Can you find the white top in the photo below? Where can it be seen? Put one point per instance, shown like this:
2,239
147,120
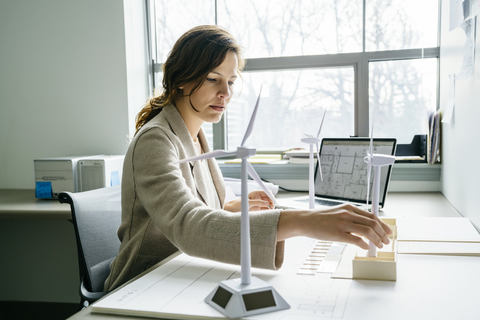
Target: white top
211,194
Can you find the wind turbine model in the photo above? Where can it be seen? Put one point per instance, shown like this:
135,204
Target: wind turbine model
248,295
377,161
311,140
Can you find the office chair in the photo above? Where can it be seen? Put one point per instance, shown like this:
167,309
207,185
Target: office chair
96,217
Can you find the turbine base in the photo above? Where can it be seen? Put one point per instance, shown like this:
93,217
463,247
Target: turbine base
236,300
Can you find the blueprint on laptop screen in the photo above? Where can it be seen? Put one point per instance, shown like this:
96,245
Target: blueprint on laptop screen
345,172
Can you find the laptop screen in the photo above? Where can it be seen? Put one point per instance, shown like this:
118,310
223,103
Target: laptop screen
345,172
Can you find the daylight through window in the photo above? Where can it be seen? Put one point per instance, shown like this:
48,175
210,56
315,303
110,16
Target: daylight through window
355,57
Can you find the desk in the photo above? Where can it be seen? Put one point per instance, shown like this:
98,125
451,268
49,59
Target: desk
22,204
408,204
39,253
428,286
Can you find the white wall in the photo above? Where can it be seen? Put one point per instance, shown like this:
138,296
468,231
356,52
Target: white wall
73,73
461,138
68,71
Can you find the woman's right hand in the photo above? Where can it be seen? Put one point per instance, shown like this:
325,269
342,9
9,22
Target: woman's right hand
257,200
344,223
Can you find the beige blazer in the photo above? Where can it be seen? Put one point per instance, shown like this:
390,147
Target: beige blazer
163,208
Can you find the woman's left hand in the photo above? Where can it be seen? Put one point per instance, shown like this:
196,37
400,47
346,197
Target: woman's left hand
257,200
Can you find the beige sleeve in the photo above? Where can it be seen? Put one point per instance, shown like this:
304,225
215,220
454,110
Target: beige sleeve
165,191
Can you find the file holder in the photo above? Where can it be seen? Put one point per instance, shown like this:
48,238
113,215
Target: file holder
417,148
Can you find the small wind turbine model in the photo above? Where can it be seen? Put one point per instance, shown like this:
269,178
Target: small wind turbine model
377,161
248,295
311,140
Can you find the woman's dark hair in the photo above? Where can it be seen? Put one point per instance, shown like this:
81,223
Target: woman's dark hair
195,54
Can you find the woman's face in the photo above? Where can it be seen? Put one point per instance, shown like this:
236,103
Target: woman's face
213,96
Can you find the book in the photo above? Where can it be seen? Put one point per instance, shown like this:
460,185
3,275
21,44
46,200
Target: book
433,143
297,152
302,160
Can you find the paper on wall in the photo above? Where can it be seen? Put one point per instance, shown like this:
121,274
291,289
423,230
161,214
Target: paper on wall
468,65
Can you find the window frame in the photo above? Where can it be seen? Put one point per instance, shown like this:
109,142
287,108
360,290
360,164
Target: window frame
358,60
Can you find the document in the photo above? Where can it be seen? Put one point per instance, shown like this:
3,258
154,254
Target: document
441,236
468,65
436,229
452,248
456,14
177,289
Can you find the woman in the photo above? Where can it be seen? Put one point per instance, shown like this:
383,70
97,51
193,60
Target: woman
168,206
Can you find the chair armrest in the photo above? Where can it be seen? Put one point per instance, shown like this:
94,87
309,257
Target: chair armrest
90,296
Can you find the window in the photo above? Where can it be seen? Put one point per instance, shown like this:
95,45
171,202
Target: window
291,99
402,93
398,24
293,28
358,58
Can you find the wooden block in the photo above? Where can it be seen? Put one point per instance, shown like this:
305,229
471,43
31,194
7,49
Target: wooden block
381,267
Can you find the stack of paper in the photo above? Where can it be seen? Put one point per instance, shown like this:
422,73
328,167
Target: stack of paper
298,155
445,236
423,235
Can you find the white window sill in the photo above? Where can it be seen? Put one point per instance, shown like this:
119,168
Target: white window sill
406,177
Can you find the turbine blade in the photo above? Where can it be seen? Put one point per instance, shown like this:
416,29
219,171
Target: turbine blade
318,160
209,155
251,171
252,120
371,133
321,124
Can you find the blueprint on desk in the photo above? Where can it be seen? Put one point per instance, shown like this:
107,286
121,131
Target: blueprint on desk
177,289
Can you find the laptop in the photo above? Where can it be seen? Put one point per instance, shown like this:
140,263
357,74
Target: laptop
345,173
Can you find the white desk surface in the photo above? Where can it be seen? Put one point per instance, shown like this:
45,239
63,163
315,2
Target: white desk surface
407,204
22,204
427,287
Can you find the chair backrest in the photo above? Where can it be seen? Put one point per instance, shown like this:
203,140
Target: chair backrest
96,217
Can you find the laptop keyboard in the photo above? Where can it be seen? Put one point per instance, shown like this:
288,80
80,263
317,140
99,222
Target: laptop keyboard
323,202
